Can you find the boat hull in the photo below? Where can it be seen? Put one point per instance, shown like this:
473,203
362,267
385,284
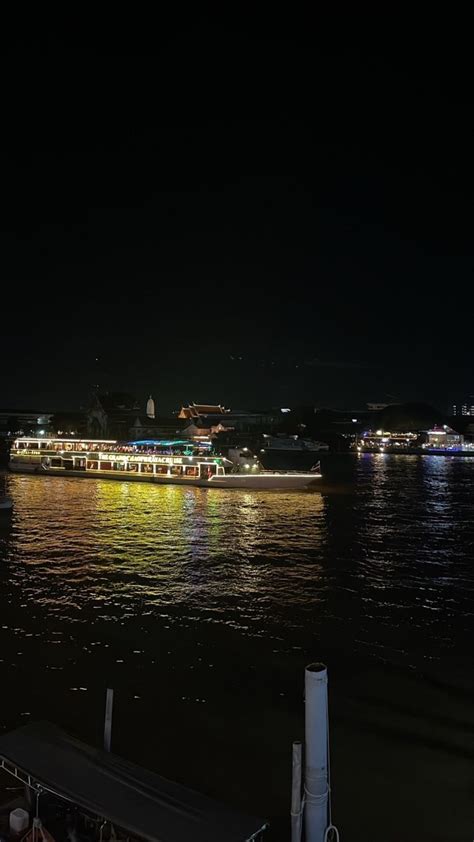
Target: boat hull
251,482
268,481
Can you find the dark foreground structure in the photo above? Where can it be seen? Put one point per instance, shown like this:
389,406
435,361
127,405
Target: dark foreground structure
108,789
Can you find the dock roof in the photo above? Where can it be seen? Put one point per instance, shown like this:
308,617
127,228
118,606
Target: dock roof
133,799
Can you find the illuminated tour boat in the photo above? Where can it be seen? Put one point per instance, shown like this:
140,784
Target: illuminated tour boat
159,461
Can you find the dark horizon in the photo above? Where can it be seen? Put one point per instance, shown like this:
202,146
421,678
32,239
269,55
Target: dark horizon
237,214
169,410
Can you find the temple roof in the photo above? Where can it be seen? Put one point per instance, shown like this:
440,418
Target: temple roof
196,409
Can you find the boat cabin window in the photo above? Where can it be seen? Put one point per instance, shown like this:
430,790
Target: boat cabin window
132,467
208,470
147,468
119,466
32,445
161,469
191,471
91,466
105,466
177,470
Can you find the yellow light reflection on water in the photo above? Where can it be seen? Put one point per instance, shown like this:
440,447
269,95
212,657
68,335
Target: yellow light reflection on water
86,542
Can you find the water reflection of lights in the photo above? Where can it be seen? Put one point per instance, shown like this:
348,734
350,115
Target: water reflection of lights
105,555
437,473
437,464
111,543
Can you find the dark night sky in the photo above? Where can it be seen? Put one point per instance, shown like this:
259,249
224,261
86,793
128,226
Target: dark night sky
239,212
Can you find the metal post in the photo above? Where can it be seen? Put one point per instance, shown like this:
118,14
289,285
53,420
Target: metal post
109,704
316,755
296,793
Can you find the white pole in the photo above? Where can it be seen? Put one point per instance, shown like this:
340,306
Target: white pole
109,704
316,756
296,793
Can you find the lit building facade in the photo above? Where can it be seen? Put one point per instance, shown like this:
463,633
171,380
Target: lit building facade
465,407
443,438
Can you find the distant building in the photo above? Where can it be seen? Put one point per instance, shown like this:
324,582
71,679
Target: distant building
208,428
248,420
111,415
443,438
150,407
69,424
465,407
215,418
201,410
120,416
19,421
144,427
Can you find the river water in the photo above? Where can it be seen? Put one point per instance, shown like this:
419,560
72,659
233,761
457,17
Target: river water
201,608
